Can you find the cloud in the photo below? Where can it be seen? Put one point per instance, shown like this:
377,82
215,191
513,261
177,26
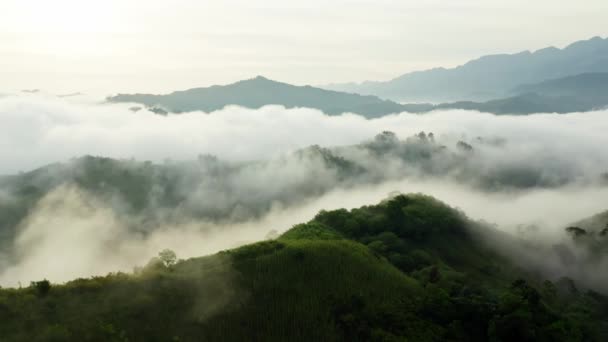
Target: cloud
73,233
47,129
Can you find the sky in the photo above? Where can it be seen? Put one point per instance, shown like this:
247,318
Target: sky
105,47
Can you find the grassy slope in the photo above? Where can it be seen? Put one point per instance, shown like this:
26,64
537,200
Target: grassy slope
406,269
270,290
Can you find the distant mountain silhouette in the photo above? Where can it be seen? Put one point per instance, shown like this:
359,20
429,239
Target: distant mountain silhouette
259,92
588,86
521,104
489,77
579,93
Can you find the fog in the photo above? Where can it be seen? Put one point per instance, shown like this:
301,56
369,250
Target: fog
71,232
47,129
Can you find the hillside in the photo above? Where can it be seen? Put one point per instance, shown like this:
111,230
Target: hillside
409,268
259,92
490,77
597,224
148,195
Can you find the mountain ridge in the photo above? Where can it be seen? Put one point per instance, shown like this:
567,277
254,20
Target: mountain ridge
260,91
576,93
491,76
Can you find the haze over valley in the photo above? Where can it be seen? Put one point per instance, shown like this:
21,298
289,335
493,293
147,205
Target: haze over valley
220,171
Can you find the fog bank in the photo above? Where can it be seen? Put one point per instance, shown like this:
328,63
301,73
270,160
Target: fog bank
71,234
48,129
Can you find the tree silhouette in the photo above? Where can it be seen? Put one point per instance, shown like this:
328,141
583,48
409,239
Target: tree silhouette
167,257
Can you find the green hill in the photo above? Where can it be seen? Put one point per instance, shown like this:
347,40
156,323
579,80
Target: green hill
407,269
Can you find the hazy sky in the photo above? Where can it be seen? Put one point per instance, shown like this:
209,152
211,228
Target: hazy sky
136,45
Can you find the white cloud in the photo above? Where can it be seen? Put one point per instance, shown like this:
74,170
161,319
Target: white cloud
37,130
70,234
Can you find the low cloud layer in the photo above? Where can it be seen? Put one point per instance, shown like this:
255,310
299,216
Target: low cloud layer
38,130
71,232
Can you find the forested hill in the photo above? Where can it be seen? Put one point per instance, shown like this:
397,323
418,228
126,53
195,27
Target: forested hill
409,268
149,194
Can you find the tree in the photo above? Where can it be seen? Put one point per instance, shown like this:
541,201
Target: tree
272,235
576,232
434,275
168,257
42,287
384,141
387,137
463,146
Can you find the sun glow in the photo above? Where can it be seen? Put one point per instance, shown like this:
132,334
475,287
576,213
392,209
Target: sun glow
65,16
70,29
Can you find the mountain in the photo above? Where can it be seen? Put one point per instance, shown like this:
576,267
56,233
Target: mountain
151,195
529,103
259,92
588,90
578,93
490,77
597,224
410,268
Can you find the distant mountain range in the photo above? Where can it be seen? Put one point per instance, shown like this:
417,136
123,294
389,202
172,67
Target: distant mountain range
489,77
259,92
573,79
578,93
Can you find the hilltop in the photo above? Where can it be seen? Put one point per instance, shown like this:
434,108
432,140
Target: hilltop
409,268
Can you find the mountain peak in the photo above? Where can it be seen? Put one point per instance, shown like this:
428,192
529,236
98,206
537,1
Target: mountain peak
257,81
507,72
260,78
592,42
260,91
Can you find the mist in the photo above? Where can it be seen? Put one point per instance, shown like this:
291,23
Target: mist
49,129
72,232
